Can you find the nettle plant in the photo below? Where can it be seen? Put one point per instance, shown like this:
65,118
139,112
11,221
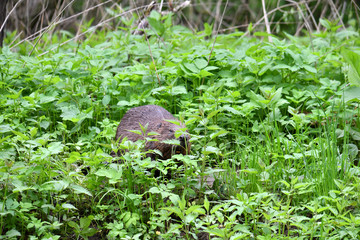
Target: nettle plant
274,131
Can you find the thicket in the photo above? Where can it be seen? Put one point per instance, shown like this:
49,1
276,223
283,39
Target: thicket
274,129
31,17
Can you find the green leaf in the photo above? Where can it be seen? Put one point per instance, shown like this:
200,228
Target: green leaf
47,99
206,204
309,68
174,199
204,73
12,234
74,225
285,183
250,28
220,133
354,77
55,185
354,134
213,113
55,147
155,15
353,59
111,173
154,190
69,112
196,209
192,67
20,134
265,68
79,189
209,68
68,206
157,25
106,100
217,232
5,128
353,150
178,90
250,170
85,222
33,131
123,103
208,29
209,149
325,23
175,210
319,210
200,63
217,207
16,95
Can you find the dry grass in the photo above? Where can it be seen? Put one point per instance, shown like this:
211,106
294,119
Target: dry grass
32,18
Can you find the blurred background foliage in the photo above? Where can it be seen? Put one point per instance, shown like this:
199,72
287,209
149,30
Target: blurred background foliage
29,18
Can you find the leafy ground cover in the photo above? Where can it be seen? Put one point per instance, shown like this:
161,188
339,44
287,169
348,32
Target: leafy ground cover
275,124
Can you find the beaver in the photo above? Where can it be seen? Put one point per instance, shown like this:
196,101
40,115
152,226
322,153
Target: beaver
155,118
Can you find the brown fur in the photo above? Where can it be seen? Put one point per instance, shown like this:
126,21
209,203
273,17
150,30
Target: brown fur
155,117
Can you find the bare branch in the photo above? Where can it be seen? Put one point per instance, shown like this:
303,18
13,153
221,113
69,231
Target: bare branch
266,20
217,31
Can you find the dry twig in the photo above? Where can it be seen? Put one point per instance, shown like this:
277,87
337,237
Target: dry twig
266,20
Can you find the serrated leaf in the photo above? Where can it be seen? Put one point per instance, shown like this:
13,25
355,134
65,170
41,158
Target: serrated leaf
210,149
46,99
204,73
217,232
106,100
213,113
69,112
265,68
44,124
123,103
110,173
354,134
85,222
353,59
217,207
12,233
209,68
196,209
73,224
284,182
155,15
325,23
55,185
206,204
220,133
157,25
175,210
68,206
16,95
200,63
154,190
178,90
353,150
174,199
309,68
192,67
20,134
55,147
79,189
5,128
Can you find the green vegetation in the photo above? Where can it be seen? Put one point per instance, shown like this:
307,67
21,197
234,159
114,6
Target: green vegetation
275,124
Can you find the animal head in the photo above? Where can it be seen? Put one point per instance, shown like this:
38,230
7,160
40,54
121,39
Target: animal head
169,130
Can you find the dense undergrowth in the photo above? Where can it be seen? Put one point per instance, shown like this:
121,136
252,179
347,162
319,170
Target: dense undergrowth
274,124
